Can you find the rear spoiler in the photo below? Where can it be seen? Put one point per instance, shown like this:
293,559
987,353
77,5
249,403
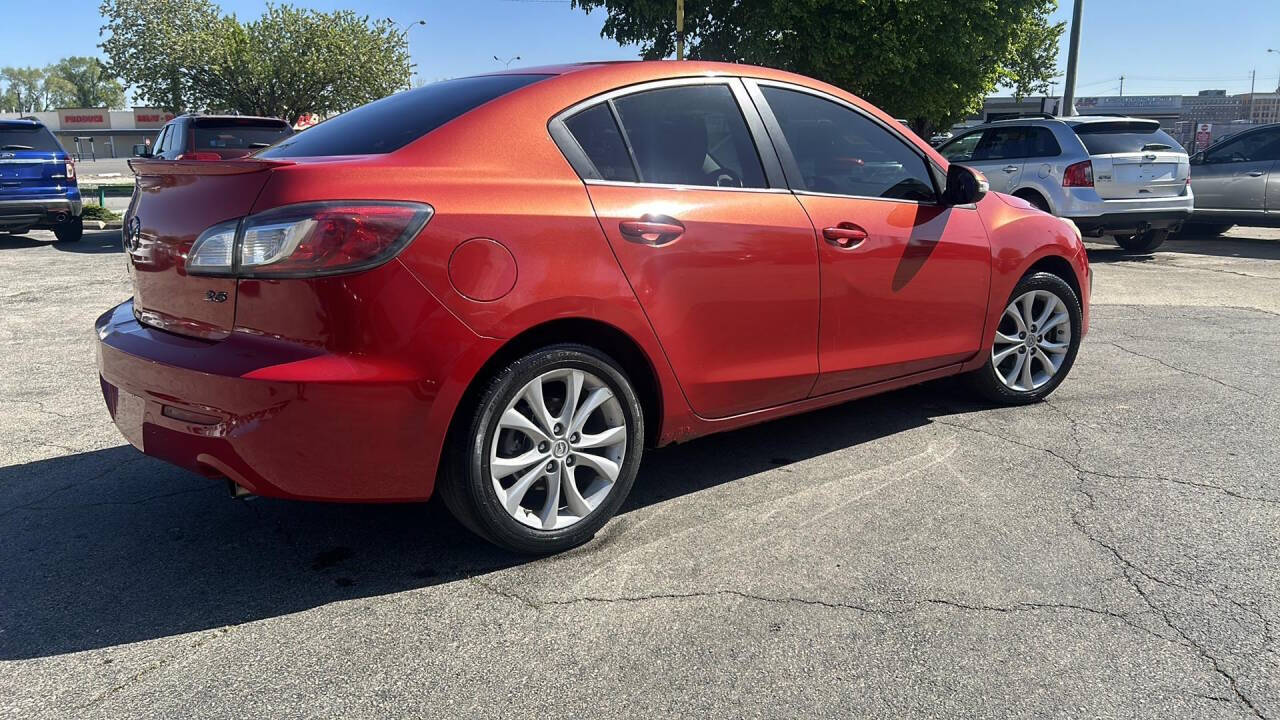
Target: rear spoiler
144,167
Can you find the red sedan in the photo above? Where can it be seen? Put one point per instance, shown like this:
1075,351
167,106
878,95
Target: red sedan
505,287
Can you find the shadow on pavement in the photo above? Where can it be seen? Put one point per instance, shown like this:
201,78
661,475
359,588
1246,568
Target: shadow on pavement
93,242
1238,245
111,547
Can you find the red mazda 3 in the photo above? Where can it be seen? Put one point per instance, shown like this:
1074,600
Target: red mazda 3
506,287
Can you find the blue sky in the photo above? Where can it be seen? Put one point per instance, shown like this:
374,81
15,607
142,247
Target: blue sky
1170,47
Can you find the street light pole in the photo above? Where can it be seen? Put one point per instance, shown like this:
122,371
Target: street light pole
1073,53
404,30
679,29
506,63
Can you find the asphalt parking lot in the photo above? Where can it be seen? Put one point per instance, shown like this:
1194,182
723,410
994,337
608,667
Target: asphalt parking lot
1114,552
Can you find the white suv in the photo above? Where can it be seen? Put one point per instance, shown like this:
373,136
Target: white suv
1116,176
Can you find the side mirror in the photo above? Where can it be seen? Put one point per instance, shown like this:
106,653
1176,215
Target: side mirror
1198,158
140,150
964,185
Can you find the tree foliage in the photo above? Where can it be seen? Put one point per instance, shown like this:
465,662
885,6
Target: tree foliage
286,62
928,60
70,82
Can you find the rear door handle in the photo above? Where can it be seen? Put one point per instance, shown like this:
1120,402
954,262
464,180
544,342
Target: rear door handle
846,235
1011,168
651,230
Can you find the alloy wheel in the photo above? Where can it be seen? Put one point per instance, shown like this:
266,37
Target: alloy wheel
1032,341
558,449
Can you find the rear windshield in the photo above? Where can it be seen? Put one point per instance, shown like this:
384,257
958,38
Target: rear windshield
395,121
34,137
1105,138
231,134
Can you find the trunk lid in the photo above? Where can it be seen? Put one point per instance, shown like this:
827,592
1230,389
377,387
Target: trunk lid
173,202
1134,159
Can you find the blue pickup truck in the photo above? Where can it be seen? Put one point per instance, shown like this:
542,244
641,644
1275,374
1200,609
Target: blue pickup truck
37,182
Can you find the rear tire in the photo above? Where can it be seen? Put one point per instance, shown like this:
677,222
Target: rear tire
70,231
493,485
1039,301
1144,242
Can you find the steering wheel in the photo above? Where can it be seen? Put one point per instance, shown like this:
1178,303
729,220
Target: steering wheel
725,177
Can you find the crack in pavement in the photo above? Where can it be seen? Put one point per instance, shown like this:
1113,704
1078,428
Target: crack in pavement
1128,568
156,665
910,606
103,473
1193,373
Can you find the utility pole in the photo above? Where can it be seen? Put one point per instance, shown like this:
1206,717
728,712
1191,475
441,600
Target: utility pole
1073,53
1253,77
679,29
1121,86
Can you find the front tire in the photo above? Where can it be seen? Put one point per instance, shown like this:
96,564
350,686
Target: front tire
1035,343
549,452
70,231
1143,242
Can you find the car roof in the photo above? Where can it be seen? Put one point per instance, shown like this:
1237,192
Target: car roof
21,123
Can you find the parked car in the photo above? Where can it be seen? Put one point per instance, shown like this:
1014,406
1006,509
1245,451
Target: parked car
1237,181
504,288
214,137
38,186
1116,176
939,138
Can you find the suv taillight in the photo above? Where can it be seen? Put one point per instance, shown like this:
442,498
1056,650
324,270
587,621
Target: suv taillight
1078,175
308,240
71,171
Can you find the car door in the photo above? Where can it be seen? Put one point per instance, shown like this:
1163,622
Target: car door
1233,176
1000,155
720,254
904,278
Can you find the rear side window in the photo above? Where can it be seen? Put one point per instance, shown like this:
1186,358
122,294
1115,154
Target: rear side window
389,124
598,135
222,134
33,137
1105,138
842,152
691,135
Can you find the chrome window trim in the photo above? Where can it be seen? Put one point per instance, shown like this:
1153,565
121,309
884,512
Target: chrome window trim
670,186
815,193
30,161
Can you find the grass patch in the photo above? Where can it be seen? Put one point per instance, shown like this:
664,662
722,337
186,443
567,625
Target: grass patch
97,212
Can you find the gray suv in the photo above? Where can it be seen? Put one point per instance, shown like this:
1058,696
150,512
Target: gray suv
1237,181
1116,176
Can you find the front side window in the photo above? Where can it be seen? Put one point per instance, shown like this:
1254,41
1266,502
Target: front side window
1004,143
690,135
842,152
1254,147
961,149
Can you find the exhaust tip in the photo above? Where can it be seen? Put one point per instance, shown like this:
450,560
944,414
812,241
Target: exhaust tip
60,217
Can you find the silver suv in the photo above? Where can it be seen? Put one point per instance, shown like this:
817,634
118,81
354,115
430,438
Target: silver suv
1116,176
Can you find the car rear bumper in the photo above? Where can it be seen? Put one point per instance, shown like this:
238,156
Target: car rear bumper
1095,216
38,212
318,427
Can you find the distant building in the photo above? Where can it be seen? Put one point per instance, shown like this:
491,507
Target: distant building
1262,108
1212,106
100,131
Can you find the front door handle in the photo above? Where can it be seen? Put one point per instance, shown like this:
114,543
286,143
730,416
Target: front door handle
1256,173
651,230
1011,168
846,235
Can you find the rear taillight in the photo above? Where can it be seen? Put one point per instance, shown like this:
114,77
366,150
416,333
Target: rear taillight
71,171
199,156
308,240
1078,175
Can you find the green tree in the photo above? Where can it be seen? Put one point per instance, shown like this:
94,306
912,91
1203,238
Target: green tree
1033,61
25,89
154,45
85,82
183,55
293,60
928,60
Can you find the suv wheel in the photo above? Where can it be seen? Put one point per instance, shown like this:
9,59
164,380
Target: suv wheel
550,452
1035,343
1143,242
70,231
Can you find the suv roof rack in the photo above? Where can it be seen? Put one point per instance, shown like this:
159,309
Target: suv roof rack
1026,115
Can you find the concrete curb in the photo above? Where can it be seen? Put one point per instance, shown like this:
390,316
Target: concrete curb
104,224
